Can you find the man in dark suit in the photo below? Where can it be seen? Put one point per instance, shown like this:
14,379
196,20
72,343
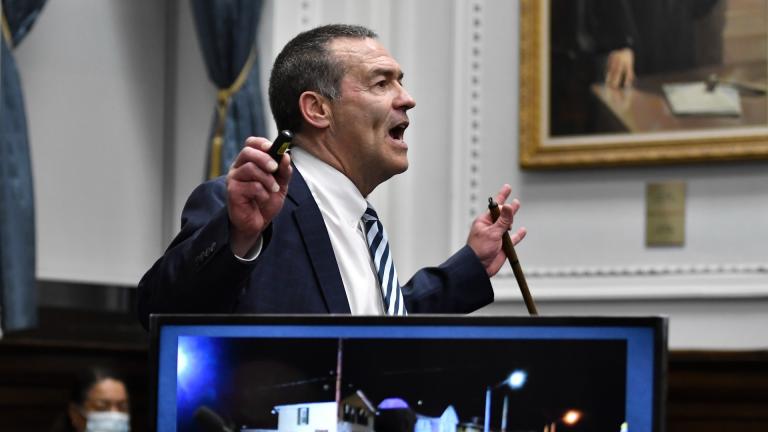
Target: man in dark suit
288,237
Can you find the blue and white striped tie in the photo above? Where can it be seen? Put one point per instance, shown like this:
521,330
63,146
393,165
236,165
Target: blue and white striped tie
378,246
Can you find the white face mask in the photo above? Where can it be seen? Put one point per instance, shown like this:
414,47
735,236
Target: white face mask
107,421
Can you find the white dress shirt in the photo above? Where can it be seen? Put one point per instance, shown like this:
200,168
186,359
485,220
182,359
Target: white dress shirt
342,206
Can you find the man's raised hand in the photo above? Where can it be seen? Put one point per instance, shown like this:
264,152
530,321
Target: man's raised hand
256,190
485,235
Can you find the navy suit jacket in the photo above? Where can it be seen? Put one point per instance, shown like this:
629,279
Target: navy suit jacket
296,271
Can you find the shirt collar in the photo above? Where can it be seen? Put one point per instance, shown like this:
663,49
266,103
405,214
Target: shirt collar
334,192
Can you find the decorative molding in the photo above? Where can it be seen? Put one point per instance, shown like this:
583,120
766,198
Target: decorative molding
648,288
467,115
475,104
308,14
647,282
646,270
692,281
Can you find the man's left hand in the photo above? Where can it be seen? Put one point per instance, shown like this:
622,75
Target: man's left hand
485,235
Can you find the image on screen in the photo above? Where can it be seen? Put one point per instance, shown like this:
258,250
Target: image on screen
254,387
406,379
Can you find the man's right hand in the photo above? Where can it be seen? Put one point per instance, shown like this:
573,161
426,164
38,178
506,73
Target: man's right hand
256,190
620,68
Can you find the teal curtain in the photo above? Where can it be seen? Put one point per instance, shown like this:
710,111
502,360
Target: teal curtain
18,293
226,31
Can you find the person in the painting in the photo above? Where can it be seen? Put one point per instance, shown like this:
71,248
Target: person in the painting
616,41
663,36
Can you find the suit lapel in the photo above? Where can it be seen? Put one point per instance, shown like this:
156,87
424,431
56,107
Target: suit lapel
315,236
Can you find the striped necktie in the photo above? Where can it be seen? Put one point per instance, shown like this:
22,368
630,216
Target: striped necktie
378,246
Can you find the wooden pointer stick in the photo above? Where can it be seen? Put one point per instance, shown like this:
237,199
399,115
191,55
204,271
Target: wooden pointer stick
509,251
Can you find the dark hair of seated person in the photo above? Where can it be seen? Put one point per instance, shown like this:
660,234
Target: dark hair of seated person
72,417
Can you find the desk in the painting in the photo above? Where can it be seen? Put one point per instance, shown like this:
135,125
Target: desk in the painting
643,107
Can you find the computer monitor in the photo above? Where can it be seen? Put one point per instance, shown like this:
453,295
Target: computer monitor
407,374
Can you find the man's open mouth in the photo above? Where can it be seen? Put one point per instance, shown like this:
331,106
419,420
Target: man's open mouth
398,131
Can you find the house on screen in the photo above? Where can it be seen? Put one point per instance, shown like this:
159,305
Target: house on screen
353,414
447,422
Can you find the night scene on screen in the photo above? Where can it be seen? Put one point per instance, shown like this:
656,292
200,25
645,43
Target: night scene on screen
400,385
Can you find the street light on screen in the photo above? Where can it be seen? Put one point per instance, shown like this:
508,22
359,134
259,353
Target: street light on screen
515,381
571,417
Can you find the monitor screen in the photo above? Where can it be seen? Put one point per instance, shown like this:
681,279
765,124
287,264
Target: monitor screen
411,374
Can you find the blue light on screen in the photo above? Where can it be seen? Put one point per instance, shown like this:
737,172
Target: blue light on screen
187,370
196,367
181,363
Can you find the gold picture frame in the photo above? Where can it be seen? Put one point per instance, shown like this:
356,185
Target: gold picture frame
540,150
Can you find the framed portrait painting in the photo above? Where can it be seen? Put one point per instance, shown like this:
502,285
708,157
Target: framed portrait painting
631,82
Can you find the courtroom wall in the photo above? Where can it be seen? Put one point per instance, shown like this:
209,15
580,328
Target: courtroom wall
585,253
93,79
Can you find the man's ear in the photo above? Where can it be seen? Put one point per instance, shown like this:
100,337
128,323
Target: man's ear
315,109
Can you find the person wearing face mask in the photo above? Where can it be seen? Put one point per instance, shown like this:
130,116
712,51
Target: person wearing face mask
98,403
